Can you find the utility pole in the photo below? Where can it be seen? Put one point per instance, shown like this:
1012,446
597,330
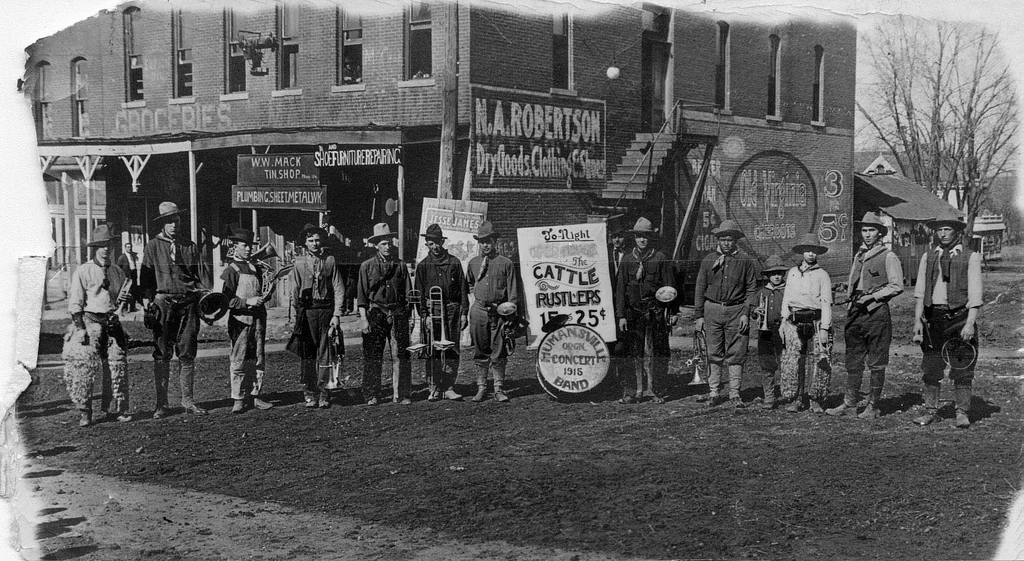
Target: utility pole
449,100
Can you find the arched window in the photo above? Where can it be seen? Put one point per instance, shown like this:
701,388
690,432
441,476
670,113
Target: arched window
774,79
722,65
818,90
41,101
132,18
79,97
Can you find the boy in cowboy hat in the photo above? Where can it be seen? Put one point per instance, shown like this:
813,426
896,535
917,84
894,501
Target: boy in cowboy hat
948,296
97,344
806,331
493,280
443,270
726,291
169,280
641,273
247,322
769,318
318,292
384,318
876,277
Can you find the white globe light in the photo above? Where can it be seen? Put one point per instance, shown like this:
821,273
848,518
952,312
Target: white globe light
613,73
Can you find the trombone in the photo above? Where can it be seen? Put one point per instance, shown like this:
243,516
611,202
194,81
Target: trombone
415,325
436,311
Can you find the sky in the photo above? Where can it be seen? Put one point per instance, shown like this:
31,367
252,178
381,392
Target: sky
24,224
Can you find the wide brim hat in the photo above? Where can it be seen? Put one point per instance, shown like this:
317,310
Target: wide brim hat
434,232
774,264
616,225
310,229
485,231
644,228
242,235
101,236
873,220
728,228
381,231
167,210
809,242
951,218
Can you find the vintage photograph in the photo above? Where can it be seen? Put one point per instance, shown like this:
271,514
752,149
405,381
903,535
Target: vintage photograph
472,279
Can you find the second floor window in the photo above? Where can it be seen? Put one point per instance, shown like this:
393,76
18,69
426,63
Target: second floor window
817,90
418,56
182,55
561,52
43,115
774,81
722,67
350,48
234,67
79,98
288,52
133,55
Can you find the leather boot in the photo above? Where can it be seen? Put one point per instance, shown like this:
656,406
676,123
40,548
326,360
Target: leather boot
848,406
931,405
481,385
239,406
714,380
85,417
187,377
161,375
871,411
963,406
735,380
498,371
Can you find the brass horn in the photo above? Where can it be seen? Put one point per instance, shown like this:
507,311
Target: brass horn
436,311
414,298
266,251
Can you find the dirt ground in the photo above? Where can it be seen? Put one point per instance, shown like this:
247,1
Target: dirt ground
533,478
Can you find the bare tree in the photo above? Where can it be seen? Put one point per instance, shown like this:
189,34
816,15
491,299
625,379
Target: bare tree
943,101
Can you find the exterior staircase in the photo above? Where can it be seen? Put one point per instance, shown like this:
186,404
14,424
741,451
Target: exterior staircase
637,167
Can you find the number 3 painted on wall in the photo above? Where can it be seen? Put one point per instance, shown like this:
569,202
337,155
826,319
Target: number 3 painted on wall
833,184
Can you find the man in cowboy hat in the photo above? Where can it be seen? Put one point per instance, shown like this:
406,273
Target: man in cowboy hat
493,280
247,322
641,273
318,292
97,344
442,270
806,329
876,277
384,318
948,296
769,318
726,291
169,280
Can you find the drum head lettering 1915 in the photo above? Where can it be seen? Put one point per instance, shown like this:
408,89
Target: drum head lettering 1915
572,360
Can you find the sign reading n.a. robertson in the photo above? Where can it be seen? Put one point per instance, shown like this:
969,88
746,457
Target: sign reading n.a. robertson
277,169
523,140
309,197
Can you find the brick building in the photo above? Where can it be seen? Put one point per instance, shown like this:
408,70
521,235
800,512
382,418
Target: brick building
563,116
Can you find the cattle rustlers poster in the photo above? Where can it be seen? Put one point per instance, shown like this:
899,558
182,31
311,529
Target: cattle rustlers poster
565,271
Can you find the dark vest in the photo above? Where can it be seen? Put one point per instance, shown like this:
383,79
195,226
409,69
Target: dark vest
956,290
874,273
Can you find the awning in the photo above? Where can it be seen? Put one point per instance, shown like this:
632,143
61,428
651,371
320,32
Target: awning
898,197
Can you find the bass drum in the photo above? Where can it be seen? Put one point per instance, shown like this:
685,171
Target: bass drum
572,361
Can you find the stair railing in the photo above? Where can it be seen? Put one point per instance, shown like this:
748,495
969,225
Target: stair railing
672,119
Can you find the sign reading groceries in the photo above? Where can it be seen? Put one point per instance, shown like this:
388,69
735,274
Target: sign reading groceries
565,271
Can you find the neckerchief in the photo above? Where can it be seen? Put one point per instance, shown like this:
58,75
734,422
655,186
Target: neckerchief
642,258
721,258
440,260
174,246
808,267
945,256
483,267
